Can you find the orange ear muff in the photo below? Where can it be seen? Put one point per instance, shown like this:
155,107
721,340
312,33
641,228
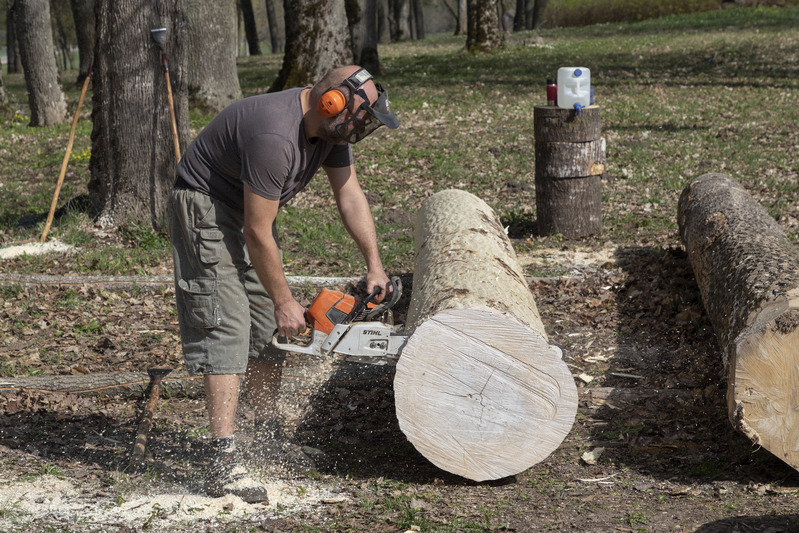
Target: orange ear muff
332,103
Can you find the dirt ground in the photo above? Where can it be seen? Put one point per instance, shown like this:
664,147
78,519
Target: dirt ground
651,448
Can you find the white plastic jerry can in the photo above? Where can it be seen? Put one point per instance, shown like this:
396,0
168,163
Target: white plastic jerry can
574,87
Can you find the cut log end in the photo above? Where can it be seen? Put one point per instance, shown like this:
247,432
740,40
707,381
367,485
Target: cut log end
481,396
763,402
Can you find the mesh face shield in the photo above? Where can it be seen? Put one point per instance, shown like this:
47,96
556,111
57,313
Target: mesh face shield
366,118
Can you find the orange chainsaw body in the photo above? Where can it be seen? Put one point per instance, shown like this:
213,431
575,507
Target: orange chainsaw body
329,308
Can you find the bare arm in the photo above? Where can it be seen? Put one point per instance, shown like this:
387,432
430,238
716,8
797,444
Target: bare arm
357,218
259,215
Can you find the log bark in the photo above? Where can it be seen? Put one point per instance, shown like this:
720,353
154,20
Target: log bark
478,389
125,384
569,160
748,274
148,282
569,164
553,124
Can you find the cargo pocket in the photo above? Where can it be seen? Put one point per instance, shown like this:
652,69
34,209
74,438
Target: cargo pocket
200,308
209,242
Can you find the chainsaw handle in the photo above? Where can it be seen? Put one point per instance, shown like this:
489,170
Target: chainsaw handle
359,307
312,347
396,284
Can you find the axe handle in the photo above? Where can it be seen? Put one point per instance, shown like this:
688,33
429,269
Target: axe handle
60,182
145,424
175,140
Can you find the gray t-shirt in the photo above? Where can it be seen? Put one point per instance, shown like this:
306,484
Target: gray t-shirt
259,141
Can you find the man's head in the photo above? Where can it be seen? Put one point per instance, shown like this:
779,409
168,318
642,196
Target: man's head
353,103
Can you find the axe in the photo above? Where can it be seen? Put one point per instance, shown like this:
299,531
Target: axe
159,36
146,420
60,182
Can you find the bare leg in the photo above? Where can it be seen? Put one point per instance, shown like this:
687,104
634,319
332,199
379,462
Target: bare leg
222,399
226,475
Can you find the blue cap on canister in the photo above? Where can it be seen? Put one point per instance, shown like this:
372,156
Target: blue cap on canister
578,73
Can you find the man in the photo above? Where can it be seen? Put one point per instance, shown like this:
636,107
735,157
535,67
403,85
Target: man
231,292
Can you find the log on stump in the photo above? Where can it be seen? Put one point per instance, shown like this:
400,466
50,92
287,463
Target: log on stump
748,274
479,391
569,164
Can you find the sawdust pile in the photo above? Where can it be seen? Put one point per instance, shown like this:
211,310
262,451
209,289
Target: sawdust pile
34,248
61,502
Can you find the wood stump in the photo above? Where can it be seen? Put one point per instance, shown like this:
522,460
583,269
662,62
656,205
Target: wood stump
478,389
748,274
569,163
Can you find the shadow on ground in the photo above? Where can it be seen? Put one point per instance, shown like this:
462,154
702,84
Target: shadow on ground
662,408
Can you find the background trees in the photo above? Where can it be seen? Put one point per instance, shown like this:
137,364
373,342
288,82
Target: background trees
83,13
250,29
213,82
317,39
483,32
132,163
12,50
362,16
3,94
277,32
35,38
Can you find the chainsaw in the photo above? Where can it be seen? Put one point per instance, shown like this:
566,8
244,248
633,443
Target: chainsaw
360,330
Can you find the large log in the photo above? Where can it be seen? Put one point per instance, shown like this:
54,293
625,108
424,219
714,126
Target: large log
748,274
478,388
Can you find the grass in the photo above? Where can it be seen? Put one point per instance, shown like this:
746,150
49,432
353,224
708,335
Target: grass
680,96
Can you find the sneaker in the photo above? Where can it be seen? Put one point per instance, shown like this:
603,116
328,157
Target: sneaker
227,476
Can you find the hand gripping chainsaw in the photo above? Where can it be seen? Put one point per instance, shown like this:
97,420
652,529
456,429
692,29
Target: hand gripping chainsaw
360,330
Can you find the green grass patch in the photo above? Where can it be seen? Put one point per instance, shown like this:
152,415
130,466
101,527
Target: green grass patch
681,95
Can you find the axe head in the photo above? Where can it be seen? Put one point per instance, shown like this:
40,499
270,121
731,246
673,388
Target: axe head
156,374
159,36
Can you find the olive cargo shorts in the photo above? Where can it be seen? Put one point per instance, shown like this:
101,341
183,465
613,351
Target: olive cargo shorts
225,315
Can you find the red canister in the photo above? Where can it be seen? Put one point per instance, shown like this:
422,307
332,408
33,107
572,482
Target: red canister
552,92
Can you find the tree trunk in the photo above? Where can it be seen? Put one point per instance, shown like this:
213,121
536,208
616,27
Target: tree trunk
519,18
3,93
478,389
317,41
748,274
277,32
133,160
362,15
35,37
538,14
383,22
14,63
85,28
250,28
402,21
213,77
418,19
462,26
61,17
484,32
